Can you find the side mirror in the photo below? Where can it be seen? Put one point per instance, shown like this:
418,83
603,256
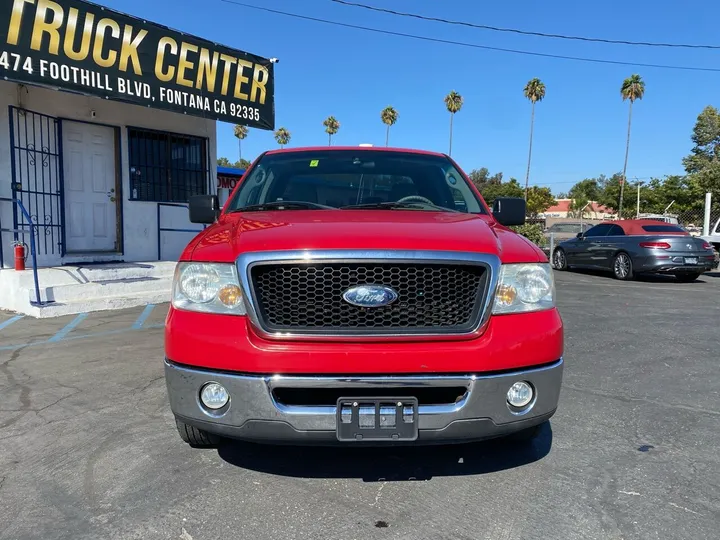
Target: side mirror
509,210
204,209
579,236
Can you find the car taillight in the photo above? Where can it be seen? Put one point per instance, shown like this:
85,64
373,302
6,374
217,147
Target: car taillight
707,245
655,245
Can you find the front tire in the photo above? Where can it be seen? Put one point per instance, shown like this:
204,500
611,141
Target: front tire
197,438
559,260
623,267
687,278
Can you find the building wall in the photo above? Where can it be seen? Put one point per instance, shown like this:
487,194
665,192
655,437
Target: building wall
139,218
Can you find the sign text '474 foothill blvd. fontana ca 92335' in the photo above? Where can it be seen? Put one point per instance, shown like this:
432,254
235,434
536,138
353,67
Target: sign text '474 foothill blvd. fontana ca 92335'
82,47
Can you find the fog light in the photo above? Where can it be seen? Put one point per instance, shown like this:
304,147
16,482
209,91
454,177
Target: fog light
214,396
520,394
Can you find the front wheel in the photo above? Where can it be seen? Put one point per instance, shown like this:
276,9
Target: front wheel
623,267
687,278
197,438
560,259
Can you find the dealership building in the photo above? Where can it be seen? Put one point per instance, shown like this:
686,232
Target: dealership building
107,127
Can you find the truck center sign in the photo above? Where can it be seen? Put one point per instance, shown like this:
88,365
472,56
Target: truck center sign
82,47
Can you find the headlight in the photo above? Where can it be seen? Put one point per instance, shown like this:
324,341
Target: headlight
524,287
207,287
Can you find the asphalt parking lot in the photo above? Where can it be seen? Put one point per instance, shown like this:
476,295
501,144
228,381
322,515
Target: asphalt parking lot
88,447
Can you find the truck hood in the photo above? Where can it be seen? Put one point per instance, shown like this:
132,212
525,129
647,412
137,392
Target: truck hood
235,234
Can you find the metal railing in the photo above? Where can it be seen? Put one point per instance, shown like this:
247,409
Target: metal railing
161,229
33,252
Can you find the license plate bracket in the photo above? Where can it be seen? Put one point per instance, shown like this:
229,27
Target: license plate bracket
691,260
377,419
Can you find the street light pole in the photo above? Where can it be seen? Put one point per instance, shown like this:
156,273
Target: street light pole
637,211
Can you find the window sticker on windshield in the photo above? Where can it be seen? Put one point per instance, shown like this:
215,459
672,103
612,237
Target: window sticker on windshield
314,162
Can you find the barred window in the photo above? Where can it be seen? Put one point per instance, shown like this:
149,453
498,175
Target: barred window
166,167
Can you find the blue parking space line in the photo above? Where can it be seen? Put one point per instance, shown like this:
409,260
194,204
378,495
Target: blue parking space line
69,327
11,320
143,316
81,336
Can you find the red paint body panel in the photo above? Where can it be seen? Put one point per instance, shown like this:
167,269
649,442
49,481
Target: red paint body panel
234,234
228,343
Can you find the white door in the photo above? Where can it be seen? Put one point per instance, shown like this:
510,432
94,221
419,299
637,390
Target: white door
89,167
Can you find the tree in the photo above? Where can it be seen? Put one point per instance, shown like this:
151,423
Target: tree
534,91
282,136
610,195
703,164
585,191
589,189
492,191
388,116
453,102
683,192
240,164
481,176
240,132
538,199
632,88
331,127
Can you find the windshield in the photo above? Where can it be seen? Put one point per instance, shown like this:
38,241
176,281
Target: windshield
355,179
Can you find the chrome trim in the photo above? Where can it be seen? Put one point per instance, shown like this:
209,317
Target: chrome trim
246,261
252,400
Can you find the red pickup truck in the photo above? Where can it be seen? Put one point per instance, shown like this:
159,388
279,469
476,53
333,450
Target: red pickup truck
361,296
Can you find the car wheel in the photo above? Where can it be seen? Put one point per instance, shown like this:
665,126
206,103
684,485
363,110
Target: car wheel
559,259
197,438
687,278
622,266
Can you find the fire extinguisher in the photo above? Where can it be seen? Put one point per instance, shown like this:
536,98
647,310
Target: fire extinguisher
20,256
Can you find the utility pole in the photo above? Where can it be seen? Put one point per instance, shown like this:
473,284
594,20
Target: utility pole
637,211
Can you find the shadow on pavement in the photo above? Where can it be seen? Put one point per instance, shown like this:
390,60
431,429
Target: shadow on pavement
373,464
646,278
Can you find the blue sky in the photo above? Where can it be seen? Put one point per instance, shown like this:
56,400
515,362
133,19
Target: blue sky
580,127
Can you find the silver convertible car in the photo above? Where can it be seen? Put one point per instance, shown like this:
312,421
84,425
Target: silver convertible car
630,247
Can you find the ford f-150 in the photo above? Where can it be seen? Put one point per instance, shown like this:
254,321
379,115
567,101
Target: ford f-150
358,295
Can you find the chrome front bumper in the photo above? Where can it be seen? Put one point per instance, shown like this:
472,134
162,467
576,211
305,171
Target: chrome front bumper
254,414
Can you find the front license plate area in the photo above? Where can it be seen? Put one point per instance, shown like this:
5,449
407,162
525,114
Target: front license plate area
377,419
691,260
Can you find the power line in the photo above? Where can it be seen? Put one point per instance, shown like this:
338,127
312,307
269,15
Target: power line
471,45
525,32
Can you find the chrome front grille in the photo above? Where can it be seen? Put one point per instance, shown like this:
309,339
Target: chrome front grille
445,293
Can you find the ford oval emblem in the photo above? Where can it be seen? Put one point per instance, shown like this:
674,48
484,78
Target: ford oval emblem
369,296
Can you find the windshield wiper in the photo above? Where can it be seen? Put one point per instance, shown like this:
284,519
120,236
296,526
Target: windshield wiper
283,205
390,205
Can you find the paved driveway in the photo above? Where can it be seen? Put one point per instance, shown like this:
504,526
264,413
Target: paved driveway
88,448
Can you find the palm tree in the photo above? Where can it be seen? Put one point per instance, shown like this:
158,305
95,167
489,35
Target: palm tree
282,136
240,132
453,102
632,88
534,91
388,116
331,127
